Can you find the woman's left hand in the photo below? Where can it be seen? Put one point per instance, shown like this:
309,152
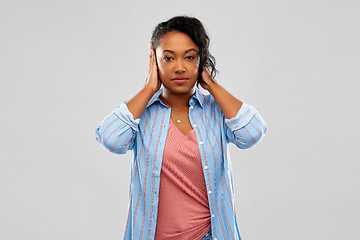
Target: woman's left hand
206,80
229,104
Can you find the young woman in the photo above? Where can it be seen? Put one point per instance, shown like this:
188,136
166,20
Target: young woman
181,180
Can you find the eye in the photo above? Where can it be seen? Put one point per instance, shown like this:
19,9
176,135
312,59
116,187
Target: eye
168,58
190,57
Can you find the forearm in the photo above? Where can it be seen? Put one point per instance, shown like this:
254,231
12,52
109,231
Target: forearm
229,104
138,103
117,131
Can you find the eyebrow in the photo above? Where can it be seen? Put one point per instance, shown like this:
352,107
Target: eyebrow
189,50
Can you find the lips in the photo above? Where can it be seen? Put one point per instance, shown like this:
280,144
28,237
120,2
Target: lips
180,78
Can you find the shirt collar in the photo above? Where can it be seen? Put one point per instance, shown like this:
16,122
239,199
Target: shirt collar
198,96
155,98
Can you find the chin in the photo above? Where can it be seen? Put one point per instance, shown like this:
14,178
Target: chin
180,89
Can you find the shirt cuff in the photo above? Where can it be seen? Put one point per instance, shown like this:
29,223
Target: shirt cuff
243,117
123,113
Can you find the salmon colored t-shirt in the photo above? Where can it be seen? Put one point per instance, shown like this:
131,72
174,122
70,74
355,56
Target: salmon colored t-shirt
183,210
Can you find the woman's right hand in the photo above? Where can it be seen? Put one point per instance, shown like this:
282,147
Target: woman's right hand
152,79
138,103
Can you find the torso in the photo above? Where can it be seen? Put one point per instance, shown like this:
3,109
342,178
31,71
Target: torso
183,208
184,125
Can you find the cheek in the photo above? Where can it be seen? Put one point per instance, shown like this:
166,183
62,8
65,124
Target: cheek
194,68
161,69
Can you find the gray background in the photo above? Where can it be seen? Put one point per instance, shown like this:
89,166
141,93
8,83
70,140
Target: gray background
66,64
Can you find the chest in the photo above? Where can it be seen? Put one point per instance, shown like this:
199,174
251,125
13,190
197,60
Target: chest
182,123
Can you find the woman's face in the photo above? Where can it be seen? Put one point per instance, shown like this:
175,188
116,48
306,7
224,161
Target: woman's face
178,63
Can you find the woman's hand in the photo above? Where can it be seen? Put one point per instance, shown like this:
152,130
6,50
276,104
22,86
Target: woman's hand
229,104
138,103
206,82
152,79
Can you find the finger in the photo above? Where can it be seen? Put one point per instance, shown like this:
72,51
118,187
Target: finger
152,50
207,70
150,57
154,63
205,74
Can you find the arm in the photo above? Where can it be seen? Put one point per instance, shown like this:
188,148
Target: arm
138,103
247,128
229,104
244,125
118,131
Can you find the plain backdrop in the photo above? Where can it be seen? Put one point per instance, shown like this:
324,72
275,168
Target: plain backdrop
65,65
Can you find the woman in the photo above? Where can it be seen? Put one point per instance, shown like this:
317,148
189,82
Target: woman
181,181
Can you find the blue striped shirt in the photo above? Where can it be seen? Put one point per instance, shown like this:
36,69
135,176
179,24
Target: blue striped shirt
146,136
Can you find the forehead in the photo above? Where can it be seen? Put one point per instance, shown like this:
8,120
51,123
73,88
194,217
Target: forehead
176,41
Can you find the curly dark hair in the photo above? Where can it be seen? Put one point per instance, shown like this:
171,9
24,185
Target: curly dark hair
196,31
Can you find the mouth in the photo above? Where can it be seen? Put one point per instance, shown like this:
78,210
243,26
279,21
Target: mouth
180,79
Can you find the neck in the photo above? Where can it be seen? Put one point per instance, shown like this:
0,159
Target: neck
177,100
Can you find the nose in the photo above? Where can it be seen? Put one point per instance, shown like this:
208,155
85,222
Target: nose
179,67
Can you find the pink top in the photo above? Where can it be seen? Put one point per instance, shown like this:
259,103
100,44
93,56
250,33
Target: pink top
183,211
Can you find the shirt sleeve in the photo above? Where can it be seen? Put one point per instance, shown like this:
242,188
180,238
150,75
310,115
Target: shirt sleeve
118,131
245,129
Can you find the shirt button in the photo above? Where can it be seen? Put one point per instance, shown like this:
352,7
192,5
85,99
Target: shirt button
201,142
195,125
206,167
209,191
212,215
191,107
215,238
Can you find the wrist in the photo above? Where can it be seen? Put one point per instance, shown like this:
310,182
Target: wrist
211,86
149,90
